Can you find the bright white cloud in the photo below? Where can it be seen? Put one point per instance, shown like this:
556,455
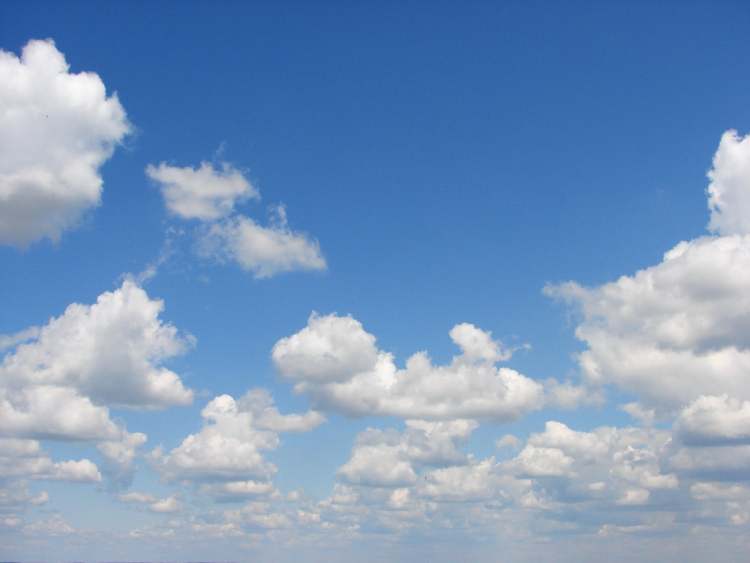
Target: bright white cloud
204,193
678,319
231,443
335,361
56,130
387,458
110,352
263,251
678,330
729,191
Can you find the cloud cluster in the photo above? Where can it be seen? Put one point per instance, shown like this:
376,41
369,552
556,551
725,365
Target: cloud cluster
228,450
336,363
59,381
57,128
388,458
210,195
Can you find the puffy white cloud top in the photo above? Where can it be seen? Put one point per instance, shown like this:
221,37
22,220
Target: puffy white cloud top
680,329
335,361
56,130
231,443
110,351
729,191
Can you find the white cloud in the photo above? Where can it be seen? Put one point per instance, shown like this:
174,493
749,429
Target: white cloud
166,505
204,193
715,420
50,412
24,459
56,130
110,352
678,319
387,458
137,498
329,349
231,443
233,491
263,251
609,464
729,191
335,361
119,456
678,330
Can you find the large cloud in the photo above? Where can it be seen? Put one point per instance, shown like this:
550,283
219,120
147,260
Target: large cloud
680,329
110,352
335,361
56,130
58,382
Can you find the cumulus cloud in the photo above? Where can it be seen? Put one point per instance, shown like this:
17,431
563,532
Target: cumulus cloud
24,459
231,443
335,361
57,128
614,465
718,420
729,190
60,380
387,458
209,195
678,330
110,352
263,251
204,193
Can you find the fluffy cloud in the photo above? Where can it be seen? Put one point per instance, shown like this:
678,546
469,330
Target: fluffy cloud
56,130
678,330
729,191
335,361
110,351
263,251
24,459
210,195
203,193
715,420
59,380
387,458
163,506
231,443
618,466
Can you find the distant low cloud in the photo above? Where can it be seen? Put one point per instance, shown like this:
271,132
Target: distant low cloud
57,128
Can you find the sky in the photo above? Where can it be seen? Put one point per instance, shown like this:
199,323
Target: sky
347,281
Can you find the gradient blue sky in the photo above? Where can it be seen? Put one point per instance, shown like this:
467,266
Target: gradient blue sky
450,159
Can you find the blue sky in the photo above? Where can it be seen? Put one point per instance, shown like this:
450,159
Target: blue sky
437,164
